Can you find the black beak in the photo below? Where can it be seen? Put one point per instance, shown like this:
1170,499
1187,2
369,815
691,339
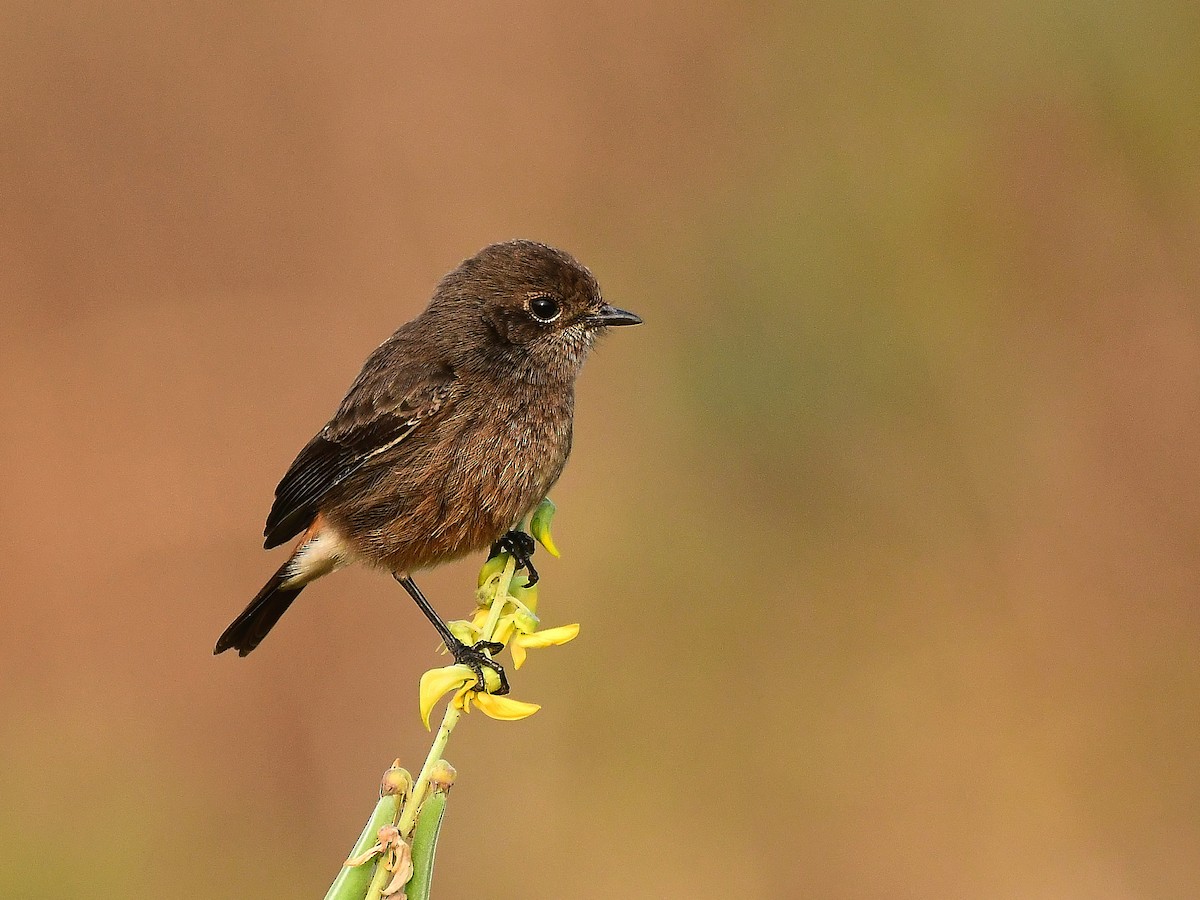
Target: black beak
610,315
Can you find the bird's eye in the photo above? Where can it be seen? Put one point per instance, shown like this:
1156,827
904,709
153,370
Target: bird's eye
544,309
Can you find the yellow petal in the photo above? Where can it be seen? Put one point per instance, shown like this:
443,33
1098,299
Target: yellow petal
551,637
469,691
462,698
539,526
504,630
505,708
517,649
437,682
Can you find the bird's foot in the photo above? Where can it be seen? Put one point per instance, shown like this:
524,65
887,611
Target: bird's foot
519,546
475,657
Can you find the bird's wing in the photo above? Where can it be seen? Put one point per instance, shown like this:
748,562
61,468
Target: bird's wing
367,424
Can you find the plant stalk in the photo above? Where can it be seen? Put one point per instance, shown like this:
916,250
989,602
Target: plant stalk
416,799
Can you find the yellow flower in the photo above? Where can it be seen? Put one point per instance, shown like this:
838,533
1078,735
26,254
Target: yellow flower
551,637
515,626
436,683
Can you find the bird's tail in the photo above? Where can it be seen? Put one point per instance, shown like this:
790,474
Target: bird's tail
248,629
321,551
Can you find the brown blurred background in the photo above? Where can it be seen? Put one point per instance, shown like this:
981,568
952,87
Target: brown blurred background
883,531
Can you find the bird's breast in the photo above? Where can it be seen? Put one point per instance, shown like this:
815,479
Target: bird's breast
470,476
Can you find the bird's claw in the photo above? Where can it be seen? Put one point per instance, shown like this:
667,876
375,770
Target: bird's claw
520,547
475,657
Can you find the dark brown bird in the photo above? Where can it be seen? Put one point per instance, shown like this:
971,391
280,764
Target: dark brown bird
455,429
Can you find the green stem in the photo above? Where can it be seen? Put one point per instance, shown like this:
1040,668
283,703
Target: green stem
449,720
498,602
453,713
412,808
409,817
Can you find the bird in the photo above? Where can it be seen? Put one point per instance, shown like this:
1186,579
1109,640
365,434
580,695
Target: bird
455,429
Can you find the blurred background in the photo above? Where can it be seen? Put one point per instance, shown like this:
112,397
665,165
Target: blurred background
883,531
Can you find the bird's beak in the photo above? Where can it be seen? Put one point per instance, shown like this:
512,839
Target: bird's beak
610,315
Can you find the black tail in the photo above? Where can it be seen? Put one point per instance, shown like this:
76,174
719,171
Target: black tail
248,629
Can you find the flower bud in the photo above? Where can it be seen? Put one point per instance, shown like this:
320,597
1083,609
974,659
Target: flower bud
539,526
443,775
396,780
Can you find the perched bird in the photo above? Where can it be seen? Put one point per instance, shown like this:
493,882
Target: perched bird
455,429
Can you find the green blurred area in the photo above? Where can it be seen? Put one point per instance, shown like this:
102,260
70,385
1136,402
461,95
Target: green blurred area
882,531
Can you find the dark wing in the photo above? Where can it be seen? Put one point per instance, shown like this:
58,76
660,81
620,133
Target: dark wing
363,428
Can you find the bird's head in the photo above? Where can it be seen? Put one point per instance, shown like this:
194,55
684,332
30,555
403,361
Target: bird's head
536,309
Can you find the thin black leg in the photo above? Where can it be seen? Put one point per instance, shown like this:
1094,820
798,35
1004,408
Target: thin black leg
474,657
426,607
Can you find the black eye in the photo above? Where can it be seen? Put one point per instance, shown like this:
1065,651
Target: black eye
544,309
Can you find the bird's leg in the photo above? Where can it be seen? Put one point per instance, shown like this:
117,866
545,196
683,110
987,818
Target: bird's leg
474,657
520,546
